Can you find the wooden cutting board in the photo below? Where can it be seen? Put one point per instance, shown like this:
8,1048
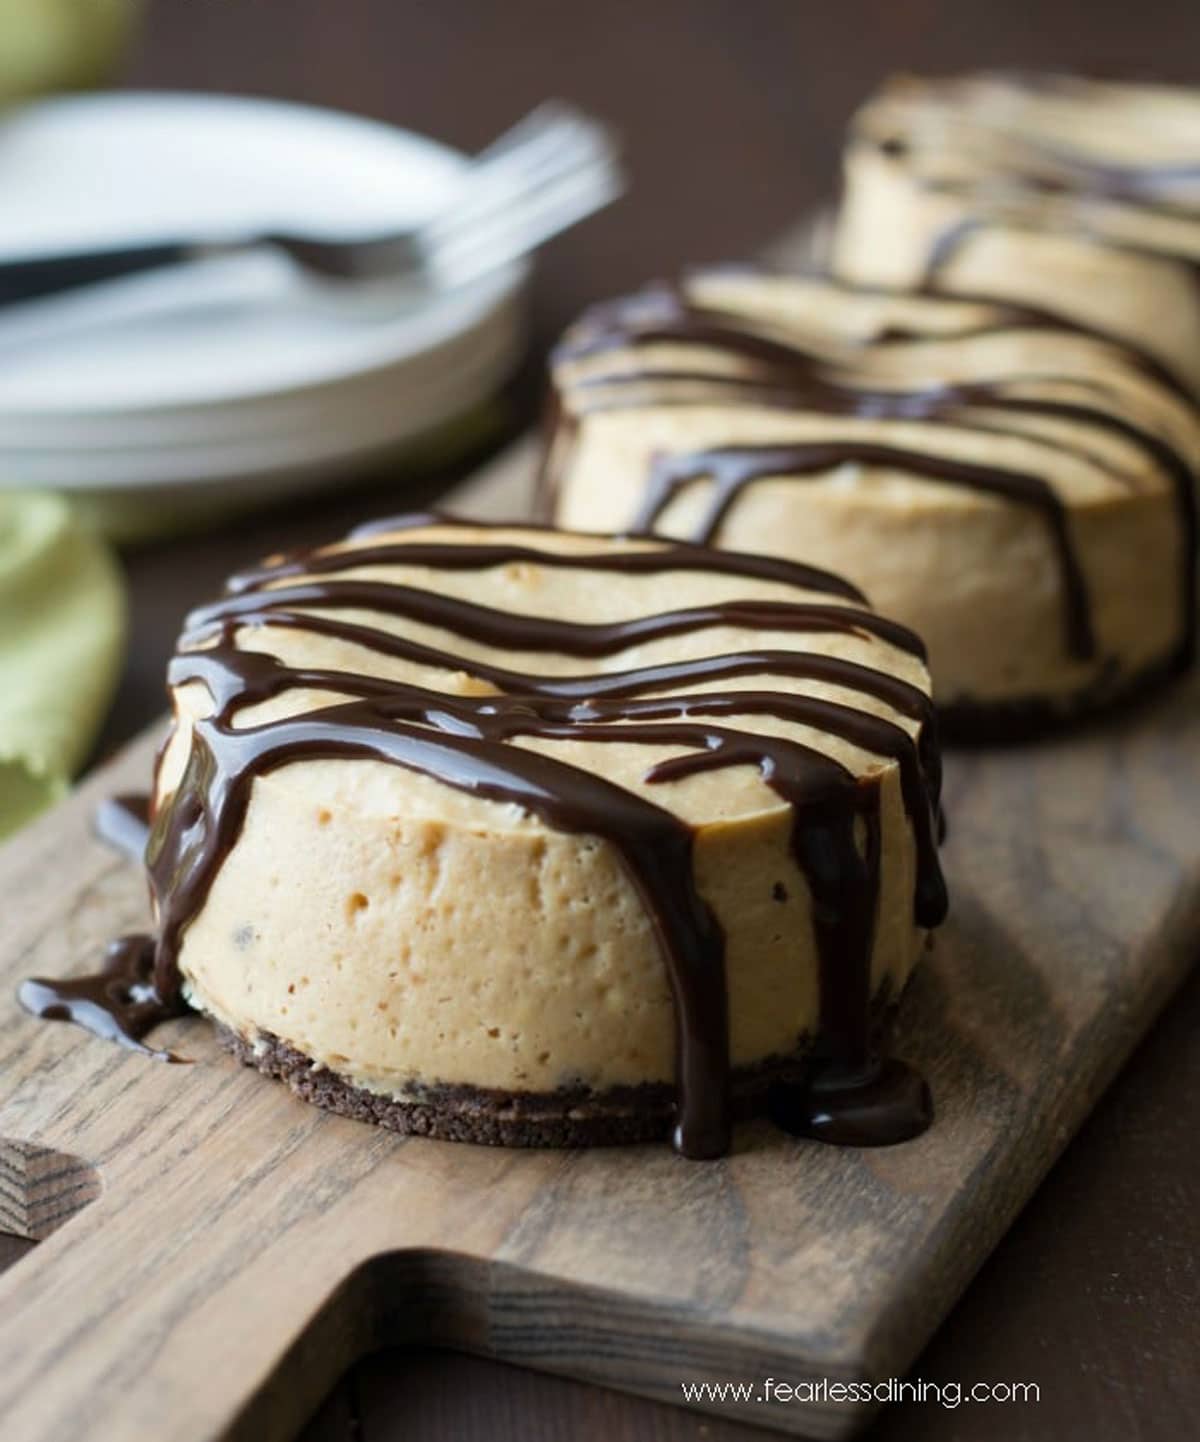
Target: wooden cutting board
214,1252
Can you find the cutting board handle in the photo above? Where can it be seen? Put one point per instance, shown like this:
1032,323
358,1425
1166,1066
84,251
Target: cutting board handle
135,1309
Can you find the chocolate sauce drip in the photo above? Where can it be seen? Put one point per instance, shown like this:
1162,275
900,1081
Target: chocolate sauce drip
783,373
949,241
885,1103
120,1002
1005,316
946,245
462,742
731,469
1136,184
123,822
1153,187
677,556
871,733
284,606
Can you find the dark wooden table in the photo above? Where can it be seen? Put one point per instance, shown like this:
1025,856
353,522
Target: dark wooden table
731,110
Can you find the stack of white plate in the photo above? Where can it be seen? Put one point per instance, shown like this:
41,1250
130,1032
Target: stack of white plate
230,379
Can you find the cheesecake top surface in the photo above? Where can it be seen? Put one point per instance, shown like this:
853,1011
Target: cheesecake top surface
918,402
1126,154
1110,121
560,645
782,358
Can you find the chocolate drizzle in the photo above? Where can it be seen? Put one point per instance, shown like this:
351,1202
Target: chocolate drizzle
1008,189
462,741
1138,181
732,468
942,116
781,373
120,1002
888,1103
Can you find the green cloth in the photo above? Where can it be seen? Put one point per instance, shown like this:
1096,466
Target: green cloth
53,45
62,632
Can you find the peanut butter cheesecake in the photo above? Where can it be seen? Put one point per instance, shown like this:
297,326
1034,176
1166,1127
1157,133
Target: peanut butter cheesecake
519,836
1078,196
1015,489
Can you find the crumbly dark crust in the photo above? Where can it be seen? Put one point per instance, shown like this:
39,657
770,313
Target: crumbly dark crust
567,1117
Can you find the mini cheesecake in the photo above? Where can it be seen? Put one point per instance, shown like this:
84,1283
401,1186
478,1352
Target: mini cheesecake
1016,490
512,835
1076,196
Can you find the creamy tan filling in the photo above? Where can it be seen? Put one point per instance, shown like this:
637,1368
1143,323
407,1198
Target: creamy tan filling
978,576
402,933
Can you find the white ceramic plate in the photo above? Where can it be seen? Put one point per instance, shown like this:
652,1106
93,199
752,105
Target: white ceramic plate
232,368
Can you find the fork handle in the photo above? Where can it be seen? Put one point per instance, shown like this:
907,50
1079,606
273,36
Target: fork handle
37,276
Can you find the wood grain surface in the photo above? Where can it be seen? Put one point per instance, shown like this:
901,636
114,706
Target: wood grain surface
732,113
243,1247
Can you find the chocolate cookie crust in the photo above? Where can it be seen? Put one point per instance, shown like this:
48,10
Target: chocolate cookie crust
568,1117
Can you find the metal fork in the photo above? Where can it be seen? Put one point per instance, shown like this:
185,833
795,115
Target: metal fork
550,170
